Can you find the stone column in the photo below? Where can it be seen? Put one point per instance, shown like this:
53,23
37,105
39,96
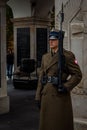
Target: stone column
4,99
33,42
79,99
85,52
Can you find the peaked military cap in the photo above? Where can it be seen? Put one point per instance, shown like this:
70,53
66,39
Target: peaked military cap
55,34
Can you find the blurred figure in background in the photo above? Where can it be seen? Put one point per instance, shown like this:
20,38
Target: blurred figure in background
10,62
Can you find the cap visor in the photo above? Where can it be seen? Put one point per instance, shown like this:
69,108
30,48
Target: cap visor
52,37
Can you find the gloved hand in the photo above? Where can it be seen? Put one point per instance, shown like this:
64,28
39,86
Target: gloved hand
63,90
38,103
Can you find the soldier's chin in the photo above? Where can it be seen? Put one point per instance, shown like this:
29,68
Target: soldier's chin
52,47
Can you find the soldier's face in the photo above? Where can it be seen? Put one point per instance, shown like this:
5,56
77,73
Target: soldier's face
53,43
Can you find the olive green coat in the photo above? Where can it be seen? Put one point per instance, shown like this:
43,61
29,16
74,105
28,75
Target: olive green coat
56,109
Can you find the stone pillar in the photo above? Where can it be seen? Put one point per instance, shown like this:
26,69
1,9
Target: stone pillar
80,98
85,52
4,99
33,42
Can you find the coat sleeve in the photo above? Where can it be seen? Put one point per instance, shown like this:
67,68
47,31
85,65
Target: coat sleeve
74,72
39,86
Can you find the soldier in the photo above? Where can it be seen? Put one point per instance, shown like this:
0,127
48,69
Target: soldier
56,107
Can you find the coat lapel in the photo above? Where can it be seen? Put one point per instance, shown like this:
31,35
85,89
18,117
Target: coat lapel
53,60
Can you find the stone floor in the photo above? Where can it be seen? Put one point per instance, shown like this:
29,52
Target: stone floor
24,113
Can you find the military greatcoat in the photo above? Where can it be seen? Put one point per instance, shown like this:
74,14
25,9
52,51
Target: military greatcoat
56,109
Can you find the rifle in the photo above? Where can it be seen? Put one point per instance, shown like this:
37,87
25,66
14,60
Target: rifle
61,57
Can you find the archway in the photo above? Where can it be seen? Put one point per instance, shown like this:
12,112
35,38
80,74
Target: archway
26,17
